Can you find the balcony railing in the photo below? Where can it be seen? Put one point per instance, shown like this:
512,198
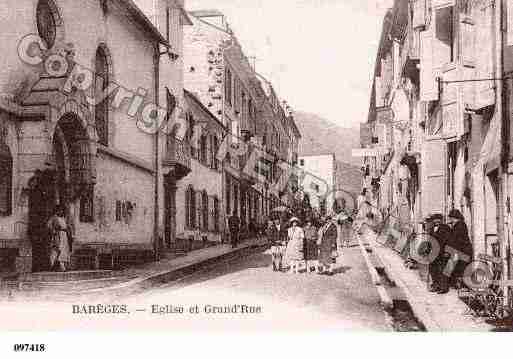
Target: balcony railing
178,155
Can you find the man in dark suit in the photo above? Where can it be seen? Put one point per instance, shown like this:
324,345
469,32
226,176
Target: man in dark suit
234,227
441,233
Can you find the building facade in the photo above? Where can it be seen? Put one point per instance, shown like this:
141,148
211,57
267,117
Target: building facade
258,127
84,90
438,125
319,181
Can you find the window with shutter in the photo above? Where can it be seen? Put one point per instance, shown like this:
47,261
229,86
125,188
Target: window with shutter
419,8
485,92
434,177
509,22
444,36
428,82
6,169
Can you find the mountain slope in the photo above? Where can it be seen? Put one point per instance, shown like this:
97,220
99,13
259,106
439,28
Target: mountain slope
319,136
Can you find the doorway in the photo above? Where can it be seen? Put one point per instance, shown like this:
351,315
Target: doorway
169,213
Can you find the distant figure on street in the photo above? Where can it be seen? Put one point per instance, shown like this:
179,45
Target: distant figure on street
345,229
327,243
276,246
310,244
60,240
294,252
234,227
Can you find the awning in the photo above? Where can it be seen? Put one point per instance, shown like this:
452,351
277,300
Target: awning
491,150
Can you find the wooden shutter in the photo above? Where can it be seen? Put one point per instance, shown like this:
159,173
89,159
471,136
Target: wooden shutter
434,177
419,13
428,82
509,22
468,41
485,92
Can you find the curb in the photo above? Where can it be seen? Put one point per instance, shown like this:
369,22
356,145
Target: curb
143,283
385,299
418,310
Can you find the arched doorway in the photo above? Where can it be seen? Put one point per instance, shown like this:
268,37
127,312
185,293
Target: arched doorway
73,160
69,179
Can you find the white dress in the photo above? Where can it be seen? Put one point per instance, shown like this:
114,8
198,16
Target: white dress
60,250
295,245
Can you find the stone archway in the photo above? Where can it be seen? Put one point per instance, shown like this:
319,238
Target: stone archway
74,158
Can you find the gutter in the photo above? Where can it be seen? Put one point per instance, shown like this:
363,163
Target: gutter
156,210
503,111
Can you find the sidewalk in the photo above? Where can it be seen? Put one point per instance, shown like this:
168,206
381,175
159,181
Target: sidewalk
135,279
438,313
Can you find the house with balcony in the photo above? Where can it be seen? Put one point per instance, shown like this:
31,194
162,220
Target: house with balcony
220,76
199,217
435,115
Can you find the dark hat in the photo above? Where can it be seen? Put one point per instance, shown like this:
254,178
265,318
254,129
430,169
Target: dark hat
454,213
436,216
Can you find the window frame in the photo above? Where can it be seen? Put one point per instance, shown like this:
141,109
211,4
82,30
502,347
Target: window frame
102,108
6,160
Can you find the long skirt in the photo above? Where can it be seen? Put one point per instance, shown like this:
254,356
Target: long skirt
294,251
327,251
60,251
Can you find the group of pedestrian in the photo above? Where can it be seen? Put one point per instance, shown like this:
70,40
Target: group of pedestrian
451,237
312,247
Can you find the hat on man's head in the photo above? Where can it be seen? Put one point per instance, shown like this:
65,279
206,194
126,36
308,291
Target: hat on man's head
454,213
436,216
294,219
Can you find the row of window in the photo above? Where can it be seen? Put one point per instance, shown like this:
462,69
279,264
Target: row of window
201,211
236,97
208,146
47,19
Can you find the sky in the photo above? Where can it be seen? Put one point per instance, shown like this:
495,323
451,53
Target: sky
319,54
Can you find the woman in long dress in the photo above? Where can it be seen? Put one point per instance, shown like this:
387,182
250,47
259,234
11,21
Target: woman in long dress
60,252
294,252
327,243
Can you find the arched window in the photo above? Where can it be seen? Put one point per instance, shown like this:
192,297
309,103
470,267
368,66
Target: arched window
5,180
203,150
46,22
215,149
101,83
204,210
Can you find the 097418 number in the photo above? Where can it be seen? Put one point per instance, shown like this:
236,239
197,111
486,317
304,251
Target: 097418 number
29,347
